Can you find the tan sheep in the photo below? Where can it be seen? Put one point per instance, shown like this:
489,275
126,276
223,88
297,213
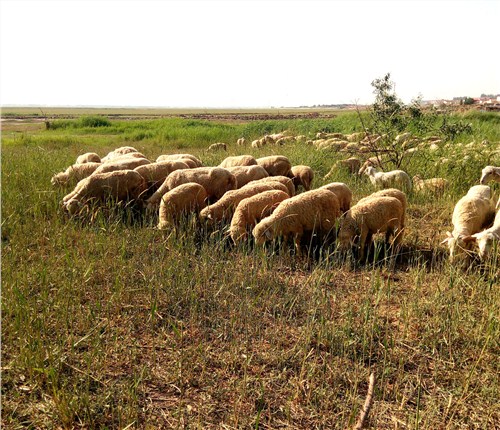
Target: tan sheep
172,157
215,180
217,147
182,200
435,186
343,193
276,165
246,174
121,185
240,160
374,215
287,182
302,175
156,173
311,212
121,164
352,164
241,141
74,173
223,210
88,157
391,192
251,210
373,162
119,152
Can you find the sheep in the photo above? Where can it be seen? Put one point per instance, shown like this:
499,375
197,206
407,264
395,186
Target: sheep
88,157
118,152
284,140
241,160
343,193
471,214
376,214
276,165
391,192
121,164
256,143
119,185
251,210
215,180
171,157
74,173
352,164
217,147
302,175
223,209
393,179
434,185
287,182
241,141
490,173
314,211
184,199
372,161
246,174
156,173
486,238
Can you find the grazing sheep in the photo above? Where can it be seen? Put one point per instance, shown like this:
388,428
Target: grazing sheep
121,185
257,143
241,141
393,179
88,157
490,173
276,165
391,192
182,200
119,152
251,210
172,157
74,173
374,215
373,162
486,238
246,174
217,147
471,214
302,175
314,211
240,160
215,180
223,209
156,173
121,164
343,193
434,185
287,182
352,164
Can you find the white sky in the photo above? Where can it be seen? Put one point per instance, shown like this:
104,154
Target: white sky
244,53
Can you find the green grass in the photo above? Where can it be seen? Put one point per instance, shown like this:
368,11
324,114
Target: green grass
111,323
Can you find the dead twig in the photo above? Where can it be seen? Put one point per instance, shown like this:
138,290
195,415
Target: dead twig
368,404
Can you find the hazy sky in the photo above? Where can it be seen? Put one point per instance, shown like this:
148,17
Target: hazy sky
244,53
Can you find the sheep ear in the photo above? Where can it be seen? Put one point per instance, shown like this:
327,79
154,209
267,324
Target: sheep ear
268,234
209,216
448,237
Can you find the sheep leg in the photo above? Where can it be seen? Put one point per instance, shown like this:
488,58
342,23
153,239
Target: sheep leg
362,242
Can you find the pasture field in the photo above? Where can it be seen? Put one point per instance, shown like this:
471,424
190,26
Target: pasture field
110,323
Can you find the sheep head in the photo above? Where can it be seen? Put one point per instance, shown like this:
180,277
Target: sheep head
489,173
485,240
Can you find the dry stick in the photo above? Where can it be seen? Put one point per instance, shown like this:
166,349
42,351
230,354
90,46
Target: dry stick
368,404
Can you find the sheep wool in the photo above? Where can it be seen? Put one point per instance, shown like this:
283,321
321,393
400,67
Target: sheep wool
74,173
343,193
302,175
287,182
121,164
239,160
173,157
88,157
276,165
246,174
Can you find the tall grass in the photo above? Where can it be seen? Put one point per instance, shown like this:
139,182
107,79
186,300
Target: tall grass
111,323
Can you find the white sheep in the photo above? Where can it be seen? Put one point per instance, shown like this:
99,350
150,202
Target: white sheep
287,182
172,157
374,215
74,173
373,162
471,214
219,146
391,192
239,160
393,179
433,185
125,163
88,157
222,210
182,200
302,175
343,193
251,210
215,180
246,174
314,211
121,185
276,165
241,141
486,238
490,173
119,152
156,173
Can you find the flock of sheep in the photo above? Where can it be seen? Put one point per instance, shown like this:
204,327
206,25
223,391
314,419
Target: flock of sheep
258,196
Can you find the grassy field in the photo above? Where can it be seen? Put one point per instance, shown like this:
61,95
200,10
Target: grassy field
114,324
